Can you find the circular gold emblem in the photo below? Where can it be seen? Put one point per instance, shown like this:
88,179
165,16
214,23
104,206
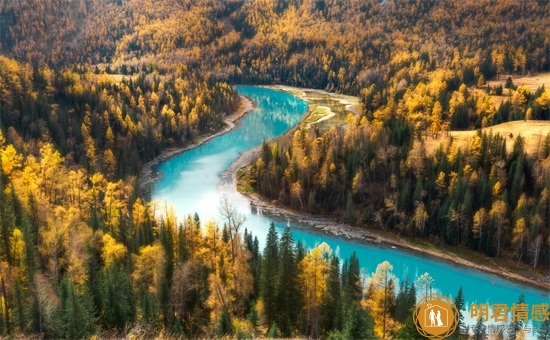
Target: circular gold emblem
436,316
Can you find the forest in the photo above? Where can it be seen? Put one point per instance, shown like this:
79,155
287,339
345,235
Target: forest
90,90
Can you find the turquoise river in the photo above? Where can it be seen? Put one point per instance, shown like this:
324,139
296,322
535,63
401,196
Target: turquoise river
191,183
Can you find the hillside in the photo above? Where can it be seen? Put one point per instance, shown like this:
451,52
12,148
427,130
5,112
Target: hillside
534,133
90,90
276,41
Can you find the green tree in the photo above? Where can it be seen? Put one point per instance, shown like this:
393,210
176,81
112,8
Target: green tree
543,331
359,325
351,280
409,331
21,311
405,301
460,331
7,218
331,303
77,319
269,275
516,325
224,326
288,292
480,330
118,299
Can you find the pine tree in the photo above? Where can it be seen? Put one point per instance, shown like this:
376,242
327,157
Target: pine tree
118,298
288,292
480,330
30,248
273,332
76,320
224,326
253,246
182,253
405,301
459,303
21,317
331,302
351,280
167,242
543,331
253,317
7,219
516,325
359,325
300,251
269,275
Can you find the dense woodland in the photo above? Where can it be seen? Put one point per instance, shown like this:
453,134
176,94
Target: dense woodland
90,90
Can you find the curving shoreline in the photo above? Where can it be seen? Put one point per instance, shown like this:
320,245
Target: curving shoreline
148,175
326,224
335,228
329,225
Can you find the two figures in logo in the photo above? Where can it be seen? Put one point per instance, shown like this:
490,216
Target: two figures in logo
433,318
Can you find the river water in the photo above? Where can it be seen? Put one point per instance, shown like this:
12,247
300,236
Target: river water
191,183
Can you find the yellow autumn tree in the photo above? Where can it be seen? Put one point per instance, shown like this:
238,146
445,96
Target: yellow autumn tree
149,268
313,273
11,160
380,298
63,242
112,250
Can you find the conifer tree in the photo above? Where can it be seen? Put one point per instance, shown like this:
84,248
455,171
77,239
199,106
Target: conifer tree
167,242
77,315
288,292
351,280
516,325
21,312
269,275
118,298
543,331
480,330
7,218
224,326
459,304
405,301
331,301
252,244
359,324
380,299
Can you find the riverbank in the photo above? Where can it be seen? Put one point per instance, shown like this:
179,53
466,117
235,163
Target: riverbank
332,227
455,255
149,175
329,225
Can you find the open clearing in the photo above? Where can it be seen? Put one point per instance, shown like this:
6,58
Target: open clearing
533,131
531,82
